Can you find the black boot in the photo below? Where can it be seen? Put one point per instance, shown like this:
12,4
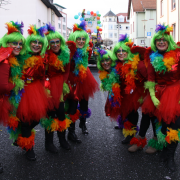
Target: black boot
117,127
82,125
1,168
71,134
30,155
171,148
49,146
127,140
26,132
163,155
62,140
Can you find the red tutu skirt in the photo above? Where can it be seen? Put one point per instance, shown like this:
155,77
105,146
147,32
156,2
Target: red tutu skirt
85,89
56,88
148,106
112,112
34,103
5,108
169,97
131,102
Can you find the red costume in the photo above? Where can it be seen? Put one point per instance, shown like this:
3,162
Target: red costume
5,85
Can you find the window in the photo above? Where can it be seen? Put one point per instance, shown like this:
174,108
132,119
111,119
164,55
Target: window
174,32
104,27
115,35
44,24
162,8
142,42
115,27
110,19
64,27
173,4
127,27
59,25
59,18
105,35
133,26
121,18
110,27
64,34
39,23
64,19
110,35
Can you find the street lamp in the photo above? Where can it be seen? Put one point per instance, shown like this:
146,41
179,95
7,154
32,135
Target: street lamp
144,20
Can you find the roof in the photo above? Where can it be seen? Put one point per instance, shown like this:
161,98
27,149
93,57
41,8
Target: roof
138,7
51,6
122,14
110,13
59,6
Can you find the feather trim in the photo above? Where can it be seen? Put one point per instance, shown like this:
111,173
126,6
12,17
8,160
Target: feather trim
154,144
138,141
26,143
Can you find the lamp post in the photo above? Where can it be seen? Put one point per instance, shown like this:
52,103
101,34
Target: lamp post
144,20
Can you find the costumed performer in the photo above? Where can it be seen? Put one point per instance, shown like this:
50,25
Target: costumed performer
56,76
164,88
131,85
81,81
138,142
110,81
34,102
13,44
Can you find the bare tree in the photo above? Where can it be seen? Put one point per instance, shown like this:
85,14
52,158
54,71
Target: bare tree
107,42
3,3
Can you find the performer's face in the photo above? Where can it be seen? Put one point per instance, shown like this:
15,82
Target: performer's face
161,44
36,46
106,64
121,54
80,42
55,45
16,46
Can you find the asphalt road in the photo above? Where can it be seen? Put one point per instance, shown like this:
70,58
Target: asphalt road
101,155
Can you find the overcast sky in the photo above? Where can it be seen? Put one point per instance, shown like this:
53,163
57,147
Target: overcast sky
73,7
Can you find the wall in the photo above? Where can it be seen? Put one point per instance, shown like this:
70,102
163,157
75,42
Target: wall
19,10
170,16
42,13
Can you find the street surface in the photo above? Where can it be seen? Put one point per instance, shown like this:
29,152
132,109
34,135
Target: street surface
100,156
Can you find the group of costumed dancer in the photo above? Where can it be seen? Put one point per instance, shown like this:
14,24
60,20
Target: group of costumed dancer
146,78
45,80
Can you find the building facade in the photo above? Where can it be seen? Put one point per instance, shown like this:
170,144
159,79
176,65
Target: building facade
69,30
142,16
113,25
168,13
61,25
38,12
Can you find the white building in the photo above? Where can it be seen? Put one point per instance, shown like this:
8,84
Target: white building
142,16
61,26
114,25
123,26
69,30
37,12
168,13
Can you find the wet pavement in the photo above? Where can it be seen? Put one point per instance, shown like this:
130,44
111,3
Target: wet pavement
101,155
